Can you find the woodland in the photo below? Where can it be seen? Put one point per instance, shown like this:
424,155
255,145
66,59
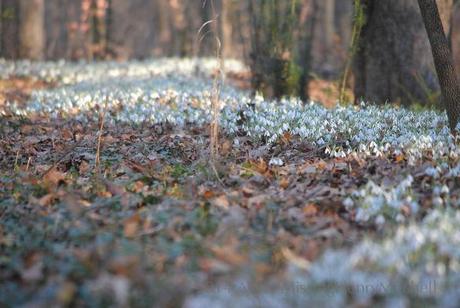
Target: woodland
225,153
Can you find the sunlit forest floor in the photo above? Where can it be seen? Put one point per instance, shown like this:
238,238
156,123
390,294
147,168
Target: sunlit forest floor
108,196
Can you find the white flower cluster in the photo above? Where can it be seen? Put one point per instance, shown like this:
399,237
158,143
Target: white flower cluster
420,261
179,91
379,203
416,254
75,72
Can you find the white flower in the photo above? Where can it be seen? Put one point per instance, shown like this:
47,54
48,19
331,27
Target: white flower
276,162
348,203
380,220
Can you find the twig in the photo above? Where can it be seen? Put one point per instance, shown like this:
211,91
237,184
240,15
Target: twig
15,166
99,141
28,163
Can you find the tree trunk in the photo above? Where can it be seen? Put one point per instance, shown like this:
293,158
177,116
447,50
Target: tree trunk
226,29
443,60
324,37
393,62
32,37
455,36
9,35
56,28
274,67
308,21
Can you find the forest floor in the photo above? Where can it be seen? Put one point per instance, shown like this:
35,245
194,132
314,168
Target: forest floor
131,212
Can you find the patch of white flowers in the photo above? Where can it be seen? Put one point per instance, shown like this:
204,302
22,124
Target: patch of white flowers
418,262
374,203
178,91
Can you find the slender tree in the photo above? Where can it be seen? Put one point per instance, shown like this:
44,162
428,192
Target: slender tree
443,60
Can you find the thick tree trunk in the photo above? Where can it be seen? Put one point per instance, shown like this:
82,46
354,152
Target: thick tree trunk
32,37
9,35
394,63
443,60
455,36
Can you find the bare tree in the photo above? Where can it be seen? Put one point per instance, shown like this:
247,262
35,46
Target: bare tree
443,60
32,38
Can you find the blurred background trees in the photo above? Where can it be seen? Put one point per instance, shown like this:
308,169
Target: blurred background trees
288,44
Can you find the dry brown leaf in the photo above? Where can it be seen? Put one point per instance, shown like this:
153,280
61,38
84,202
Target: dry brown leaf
310,210
228,255
221,201
284,182
47,199
109,139
131,225
208,194
294,259
214,266
287,137
84,167
53,178
124,265
67,134
226,147
261,166
248,190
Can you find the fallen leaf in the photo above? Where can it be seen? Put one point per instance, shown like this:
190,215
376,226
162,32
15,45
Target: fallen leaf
284,183
294,259
226,147
47,199
310,210
53,178
84,167
229,255
221,201
131,225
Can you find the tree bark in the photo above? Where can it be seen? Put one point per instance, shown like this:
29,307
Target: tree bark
324,37
9,34
393,62
443,60
32,37
455,36
226,29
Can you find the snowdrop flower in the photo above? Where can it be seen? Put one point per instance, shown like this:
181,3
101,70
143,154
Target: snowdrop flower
276,162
